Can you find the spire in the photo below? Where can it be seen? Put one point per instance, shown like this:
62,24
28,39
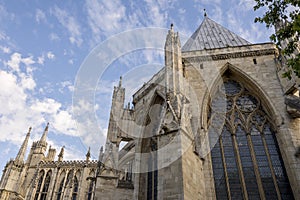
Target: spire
61,154
22,151
88,155
44,136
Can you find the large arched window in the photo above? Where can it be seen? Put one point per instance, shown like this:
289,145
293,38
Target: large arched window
152,172
75,189
90,185
39,185
245,155
46,186
90,191
60,189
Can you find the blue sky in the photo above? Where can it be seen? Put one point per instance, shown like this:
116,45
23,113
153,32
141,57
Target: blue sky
45,44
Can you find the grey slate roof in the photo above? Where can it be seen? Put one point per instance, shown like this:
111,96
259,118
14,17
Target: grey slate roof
211,35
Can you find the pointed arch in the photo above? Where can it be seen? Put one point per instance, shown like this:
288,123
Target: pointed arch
90,185
75,188
251,84
69,177
60,187
245,156
148,147
90,190
39,184
46,185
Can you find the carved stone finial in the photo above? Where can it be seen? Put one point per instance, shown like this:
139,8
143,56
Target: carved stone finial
293,105
61,154
88,155
120,81
101,154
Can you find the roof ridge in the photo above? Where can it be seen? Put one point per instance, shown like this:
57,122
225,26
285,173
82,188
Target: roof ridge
211,35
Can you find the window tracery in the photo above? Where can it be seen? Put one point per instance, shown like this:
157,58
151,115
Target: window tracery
39,185
75,188
60,189
245,157
46,186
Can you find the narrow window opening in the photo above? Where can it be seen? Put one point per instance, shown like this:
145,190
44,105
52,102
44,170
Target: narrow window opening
201,65
254,61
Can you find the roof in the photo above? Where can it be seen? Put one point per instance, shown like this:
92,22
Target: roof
211,35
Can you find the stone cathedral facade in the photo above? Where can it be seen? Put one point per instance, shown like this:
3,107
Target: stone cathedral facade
218,121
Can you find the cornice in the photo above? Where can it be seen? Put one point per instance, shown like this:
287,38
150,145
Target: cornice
225,56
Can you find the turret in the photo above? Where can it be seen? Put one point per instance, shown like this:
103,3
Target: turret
173,62
174,72
38,149
116,111
51,154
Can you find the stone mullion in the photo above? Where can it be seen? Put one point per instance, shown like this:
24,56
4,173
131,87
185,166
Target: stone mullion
54,184
225,169
255,167
152,183
239,165
42,185
271,166
62,196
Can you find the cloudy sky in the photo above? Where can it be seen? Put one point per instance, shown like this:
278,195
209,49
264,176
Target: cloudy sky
45,46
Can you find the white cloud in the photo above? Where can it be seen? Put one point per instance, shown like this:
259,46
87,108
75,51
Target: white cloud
40,16
70,61
208,2
5,15
5,49
41,60
246,5
110,17
105,16
54,37
20,106
66,84
50,55
70,23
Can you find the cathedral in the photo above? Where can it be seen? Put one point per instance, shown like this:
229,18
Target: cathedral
218,121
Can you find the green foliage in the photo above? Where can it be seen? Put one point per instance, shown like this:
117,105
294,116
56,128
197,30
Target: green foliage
284,16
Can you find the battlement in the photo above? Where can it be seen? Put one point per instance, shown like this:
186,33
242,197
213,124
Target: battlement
68,163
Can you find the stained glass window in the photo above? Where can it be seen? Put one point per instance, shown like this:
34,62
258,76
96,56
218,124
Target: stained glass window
75,189
46,186
60,189
245,155
39,185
